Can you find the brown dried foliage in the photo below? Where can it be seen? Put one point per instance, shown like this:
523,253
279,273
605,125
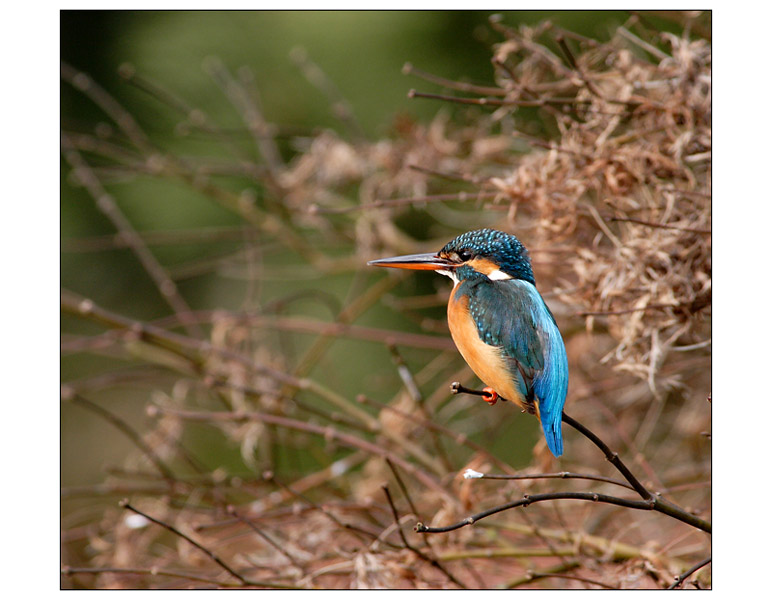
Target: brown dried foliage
613,198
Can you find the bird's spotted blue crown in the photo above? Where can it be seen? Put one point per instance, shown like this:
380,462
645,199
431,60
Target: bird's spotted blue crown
503,248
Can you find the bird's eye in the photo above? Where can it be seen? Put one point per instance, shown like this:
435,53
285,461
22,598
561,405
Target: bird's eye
464,255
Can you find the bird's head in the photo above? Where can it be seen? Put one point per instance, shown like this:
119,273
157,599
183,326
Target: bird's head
494,254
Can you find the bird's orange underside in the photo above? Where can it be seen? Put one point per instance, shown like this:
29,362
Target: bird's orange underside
488,362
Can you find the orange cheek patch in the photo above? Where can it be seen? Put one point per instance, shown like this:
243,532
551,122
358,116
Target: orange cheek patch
483,265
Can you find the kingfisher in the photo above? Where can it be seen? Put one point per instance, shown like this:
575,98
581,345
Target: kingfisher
501,324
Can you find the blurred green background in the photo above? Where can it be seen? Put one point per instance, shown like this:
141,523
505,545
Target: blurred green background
362,53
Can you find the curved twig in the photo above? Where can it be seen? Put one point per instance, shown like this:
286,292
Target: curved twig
126,429
611,456
655,500
560,475
528,499
127,505
429,559
683,576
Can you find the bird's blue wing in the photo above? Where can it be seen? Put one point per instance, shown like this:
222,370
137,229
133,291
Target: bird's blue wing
512,315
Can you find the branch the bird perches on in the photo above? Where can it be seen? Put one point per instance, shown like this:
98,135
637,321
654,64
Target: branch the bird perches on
649,500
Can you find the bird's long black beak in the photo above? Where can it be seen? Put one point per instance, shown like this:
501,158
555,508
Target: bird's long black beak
420,262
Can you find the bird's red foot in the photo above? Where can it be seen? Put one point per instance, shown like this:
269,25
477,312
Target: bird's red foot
490,395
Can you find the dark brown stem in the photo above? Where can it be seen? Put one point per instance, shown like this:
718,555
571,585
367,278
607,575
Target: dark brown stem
655,501
125,504
536,575
409,69
659,225
683,576
561,475
358,531
155,572
402,487
612,457
120,424
232,511
414,550
484,101
526,500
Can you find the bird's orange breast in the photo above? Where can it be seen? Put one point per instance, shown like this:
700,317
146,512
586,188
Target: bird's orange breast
488,362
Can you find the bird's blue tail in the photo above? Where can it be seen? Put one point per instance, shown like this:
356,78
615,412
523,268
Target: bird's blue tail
551,422
551,388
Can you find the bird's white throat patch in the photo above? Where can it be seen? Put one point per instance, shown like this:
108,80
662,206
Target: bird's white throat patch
495,275
448,273
498,275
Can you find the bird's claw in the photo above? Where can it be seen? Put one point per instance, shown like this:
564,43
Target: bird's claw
490,395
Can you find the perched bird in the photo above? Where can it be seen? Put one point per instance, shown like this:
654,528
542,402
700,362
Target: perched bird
500,323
